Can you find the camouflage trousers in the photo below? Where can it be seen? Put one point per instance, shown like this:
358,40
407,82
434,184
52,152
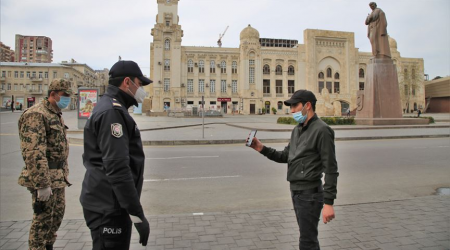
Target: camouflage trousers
47,218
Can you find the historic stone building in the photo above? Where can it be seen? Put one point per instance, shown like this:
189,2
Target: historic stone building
263,72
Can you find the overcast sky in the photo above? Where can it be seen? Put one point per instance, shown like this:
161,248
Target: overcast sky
97,32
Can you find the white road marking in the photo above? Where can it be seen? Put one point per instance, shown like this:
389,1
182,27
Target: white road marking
183,157
194,178
197,213
433,147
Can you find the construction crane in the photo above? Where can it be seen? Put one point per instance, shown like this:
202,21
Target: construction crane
219,42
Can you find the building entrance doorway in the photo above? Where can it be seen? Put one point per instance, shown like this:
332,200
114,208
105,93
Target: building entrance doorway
166,106
252,109
267,107
30,101
344,107
224,107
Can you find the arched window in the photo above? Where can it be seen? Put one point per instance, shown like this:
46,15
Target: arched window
336,75
405,74
223,67
361,73
266,69
201,66
234,67
278,70
329,74
413,74
167,44
212,67
291,70
190,66
321,76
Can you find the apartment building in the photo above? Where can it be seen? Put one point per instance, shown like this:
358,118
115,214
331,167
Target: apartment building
6,53
36,49
27,83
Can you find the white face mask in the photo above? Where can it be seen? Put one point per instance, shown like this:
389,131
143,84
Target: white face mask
140,94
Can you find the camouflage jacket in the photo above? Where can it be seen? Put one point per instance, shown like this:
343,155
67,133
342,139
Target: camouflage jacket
44,147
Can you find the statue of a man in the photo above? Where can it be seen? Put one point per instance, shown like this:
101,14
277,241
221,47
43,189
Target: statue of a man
377,32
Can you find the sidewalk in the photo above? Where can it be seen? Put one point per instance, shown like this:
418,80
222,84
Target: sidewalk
235,129
419,223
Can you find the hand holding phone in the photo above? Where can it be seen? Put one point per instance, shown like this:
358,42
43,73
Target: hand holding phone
250,138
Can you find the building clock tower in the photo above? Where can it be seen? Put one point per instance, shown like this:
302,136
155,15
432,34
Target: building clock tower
165,58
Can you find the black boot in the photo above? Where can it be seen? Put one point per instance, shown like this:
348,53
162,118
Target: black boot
48,247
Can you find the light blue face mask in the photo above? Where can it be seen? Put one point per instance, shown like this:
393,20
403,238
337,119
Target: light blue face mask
64,101
299,117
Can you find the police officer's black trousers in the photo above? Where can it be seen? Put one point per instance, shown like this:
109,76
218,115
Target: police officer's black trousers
109,230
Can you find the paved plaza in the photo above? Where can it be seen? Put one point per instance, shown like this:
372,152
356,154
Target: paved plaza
419,223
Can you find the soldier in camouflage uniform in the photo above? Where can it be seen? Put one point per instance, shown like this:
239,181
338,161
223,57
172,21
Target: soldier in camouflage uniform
45,150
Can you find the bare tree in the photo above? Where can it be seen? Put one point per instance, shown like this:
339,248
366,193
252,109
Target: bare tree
410,83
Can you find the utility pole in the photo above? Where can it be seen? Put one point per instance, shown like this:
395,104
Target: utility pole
203,117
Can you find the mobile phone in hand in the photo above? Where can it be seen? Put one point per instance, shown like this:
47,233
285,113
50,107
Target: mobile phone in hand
250,138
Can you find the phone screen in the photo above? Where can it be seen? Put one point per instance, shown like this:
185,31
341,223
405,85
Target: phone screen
250,138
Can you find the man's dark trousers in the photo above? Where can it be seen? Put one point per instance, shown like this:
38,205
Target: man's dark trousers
308,205
109,230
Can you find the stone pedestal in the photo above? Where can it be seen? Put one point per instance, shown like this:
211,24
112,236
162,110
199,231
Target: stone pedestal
380,103
380,97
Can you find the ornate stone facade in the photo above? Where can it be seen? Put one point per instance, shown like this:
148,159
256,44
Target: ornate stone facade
262,73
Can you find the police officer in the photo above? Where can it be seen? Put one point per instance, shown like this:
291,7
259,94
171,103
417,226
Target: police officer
45,150
114,161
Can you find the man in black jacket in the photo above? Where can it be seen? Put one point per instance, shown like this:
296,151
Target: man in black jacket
114,161
309,154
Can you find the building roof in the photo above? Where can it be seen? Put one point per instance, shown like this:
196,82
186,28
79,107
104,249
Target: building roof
30,64
78,64
249,33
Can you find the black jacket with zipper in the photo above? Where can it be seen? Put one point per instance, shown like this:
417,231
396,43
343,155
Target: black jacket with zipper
309,154
113,157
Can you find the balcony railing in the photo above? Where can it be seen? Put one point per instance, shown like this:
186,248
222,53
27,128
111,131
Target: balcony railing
36,79
2,91
2,78
35,92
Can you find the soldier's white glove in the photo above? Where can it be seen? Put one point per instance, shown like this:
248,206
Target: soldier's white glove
43,194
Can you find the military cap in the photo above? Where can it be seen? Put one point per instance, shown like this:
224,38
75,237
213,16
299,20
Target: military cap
61,85
128,68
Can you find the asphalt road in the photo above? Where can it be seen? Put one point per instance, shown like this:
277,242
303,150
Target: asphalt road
224,178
